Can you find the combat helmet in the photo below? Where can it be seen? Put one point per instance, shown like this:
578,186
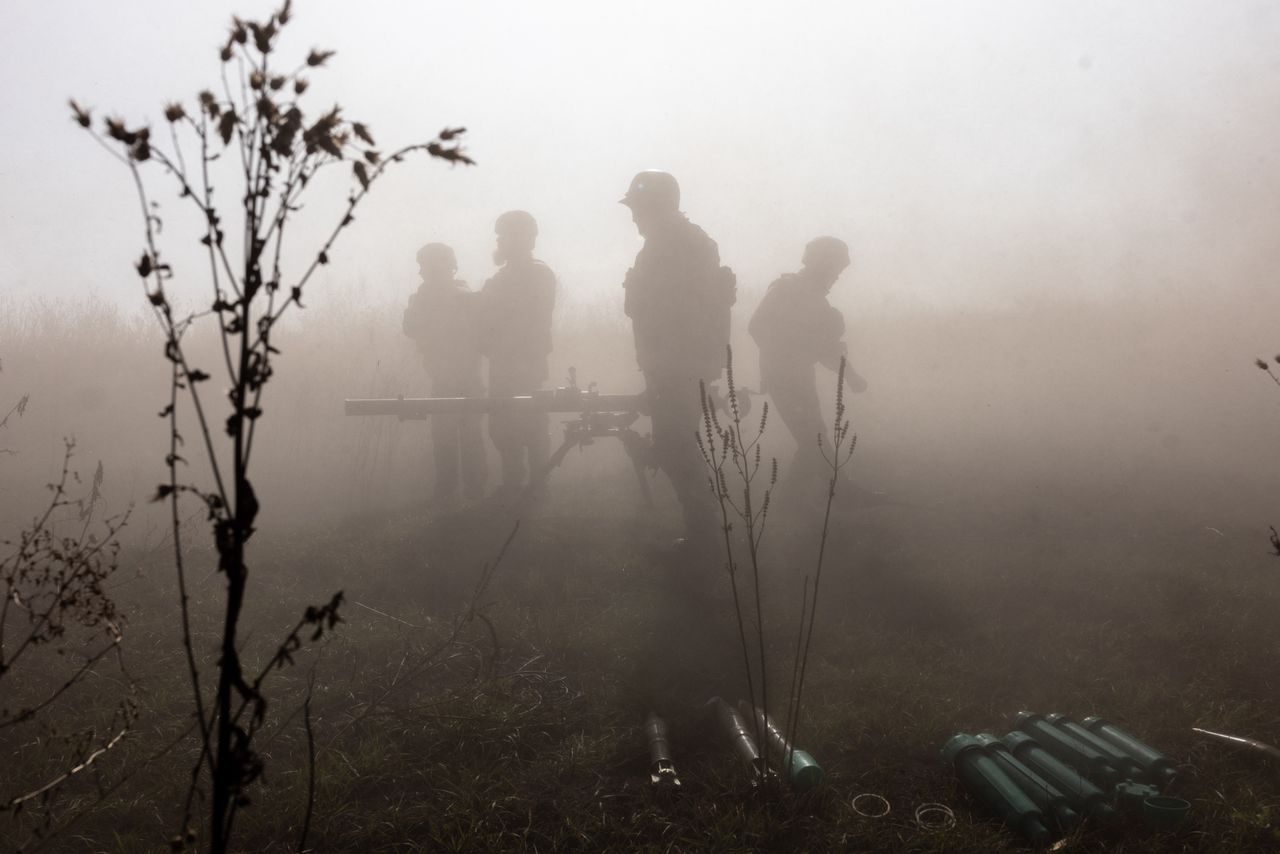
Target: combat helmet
438,256
653,190
826,253
516,224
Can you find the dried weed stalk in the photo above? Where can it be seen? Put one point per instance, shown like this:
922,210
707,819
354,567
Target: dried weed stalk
729,449
257,117
732,452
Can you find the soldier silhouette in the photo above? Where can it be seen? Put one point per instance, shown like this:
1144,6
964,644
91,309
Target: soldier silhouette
441,320
796,328
678,297
516,305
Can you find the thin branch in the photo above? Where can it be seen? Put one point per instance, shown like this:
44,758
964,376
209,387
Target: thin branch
184,599
460,624
311,764
837,463
67,775
27,713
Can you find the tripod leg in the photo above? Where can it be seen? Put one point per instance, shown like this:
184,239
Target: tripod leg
539,480
643,480
637,449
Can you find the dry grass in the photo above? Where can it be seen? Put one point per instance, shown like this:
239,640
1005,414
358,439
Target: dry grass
1028,572
933,624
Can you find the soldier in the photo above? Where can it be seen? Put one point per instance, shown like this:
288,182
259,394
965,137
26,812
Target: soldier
678,298
515,333
795,328
441,319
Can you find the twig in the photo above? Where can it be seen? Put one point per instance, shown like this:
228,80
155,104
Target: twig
311,763
67,775
385,614
468,615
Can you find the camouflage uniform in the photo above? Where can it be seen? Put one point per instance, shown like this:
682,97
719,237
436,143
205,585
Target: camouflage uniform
679,298
516,310
441,319
796,328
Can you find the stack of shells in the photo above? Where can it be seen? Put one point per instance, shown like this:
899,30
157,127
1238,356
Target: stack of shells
1051,773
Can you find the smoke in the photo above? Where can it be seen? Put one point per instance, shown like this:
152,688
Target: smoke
1061,216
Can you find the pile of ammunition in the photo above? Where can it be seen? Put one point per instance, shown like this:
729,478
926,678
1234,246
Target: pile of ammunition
1051,772
803,773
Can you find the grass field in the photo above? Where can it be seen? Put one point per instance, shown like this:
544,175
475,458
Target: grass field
947,616
1083,495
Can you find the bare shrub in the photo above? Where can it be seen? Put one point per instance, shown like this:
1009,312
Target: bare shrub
58,623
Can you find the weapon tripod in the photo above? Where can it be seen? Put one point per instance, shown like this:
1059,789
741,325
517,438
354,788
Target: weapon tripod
584,430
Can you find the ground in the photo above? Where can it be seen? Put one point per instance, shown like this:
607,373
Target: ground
949,612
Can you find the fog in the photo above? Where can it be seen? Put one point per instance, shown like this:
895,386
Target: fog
1062,223
972,153
1053,209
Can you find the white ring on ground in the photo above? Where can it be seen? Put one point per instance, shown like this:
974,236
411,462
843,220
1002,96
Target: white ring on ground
947,821
873,796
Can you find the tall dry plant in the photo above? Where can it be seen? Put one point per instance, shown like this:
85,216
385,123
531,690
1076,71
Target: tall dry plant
837,457
19,409
732,451
257,117
58,624
1264,366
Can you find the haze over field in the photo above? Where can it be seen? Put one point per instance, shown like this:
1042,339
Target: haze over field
1053,208
1047,233
972,153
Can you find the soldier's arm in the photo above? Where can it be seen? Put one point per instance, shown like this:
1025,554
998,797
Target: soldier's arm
836,349
547,291
409,323
767,326
546,307
482,314
827,328
628,292
855,381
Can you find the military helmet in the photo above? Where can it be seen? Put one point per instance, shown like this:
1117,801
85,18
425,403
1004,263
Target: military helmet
437,255
517,223
827,253
653,189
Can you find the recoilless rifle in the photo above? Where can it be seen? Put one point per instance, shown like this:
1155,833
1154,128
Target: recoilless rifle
599,416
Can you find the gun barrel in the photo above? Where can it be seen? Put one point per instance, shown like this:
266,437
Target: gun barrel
551,400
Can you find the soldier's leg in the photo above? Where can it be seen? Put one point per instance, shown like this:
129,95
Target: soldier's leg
475,465
538,439
505,433
676,414
504,427
444,441
471,448
795,398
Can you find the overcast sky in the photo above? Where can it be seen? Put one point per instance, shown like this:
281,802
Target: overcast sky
970,152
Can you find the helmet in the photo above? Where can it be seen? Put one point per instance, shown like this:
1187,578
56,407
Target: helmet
653,190
516,223
829,253
437,255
